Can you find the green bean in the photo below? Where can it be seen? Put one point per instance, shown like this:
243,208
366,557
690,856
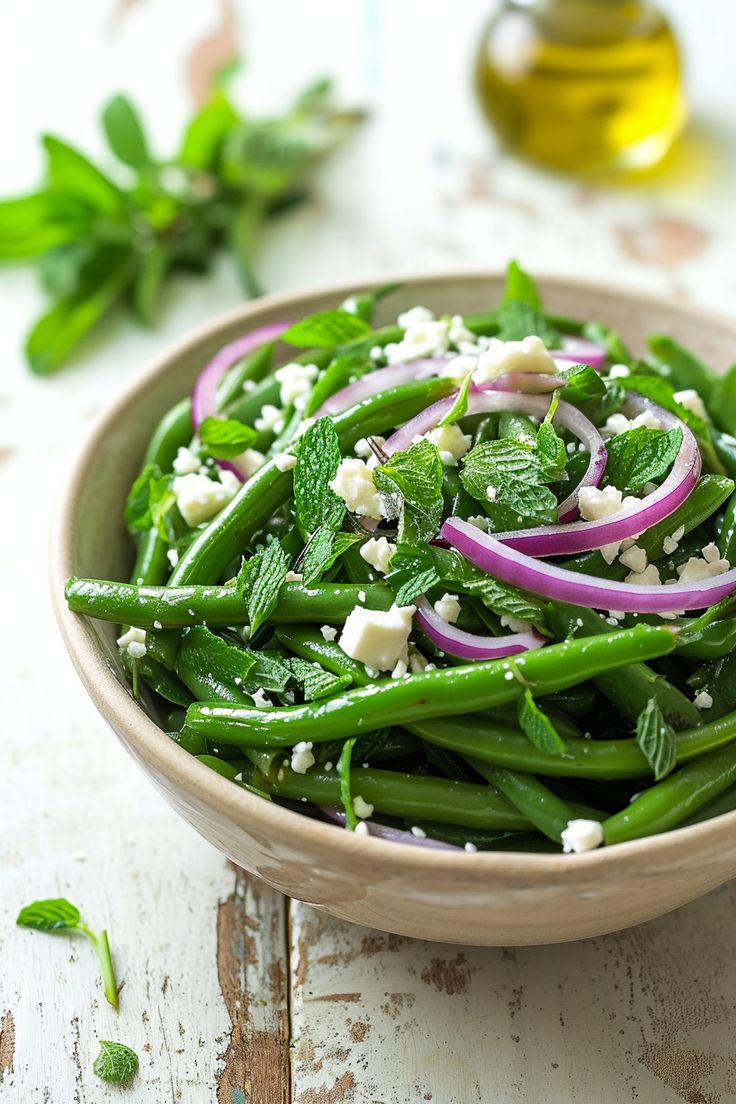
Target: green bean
160,679
578,701
251,369
265,493
630,688
724,803
486,840
435,693
477,737
548,813
684,369
727,536
151,565
172,432
394,793
309,643
172,607
715,641
668,803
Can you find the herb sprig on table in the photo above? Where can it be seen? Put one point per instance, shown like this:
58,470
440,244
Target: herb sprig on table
99,239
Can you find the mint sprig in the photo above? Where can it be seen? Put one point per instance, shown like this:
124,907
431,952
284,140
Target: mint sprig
512,475
225,438
415,478
56,914
116,1063
640,456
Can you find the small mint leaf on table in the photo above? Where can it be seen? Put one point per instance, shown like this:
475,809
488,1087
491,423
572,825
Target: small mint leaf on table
326,329
53,914
226,438
116,1063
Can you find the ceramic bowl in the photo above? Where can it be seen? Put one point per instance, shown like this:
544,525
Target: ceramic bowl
486,898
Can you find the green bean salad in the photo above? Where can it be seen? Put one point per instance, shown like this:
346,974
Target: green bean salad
460,582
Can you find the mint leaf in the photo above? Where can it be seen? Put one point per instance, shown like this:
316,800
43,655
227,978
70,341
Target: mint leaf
53,914
517,320
656,740
326,329
611,341
225,438
514,472
538,727
413,585
124,133
317,462
583,384
116,1063
520,287
640,456
550,447
210,667
260,580
72,174
138,503
460,407
415,475
314,681
324,548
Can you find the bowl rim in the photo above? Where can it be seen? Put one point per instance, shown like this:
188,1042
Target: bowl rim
158,751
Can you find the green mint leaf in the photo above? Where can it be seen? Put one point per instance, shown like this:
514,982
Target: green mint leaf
538,727
206,133
260,581
682,368
324,548
501,598
53,914
583,384
269,672
34,223
459,408
662,392
363,304
72,174
138,504
326,329
344,764
611,341
415,475
515,474
225,438
210,667
412,586
317,462
314,681
520,287
152,270
116,1063
656,740
640,456
124,133
551,452
517,320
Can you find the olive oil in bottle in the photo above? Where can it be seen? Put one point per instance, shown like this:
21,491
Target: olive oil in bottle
582,85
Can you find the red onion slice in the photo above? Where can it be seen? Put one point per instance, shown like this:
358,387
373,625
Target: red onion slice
581,536
393,835
581,351
486,400
467,645
204,393
506,563
379,380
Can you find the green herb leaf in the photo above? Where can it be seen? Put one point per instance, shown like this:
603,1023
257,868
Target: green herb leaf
514,472
124,133
611,341
344,764
116,1063
138,504
317,462
517,320
314,681
324,548
415,475
72,174
269,672
583,384
662,393
640,456
538,727
53,914
551,449
152,270
722,403
225,438
412,586
207,131
520,287
459,408
682,368
656,740
260,581
326,329
210,667
34,223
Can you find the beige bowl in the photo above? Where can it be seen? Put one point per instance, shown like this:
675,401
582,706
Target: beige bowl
486,899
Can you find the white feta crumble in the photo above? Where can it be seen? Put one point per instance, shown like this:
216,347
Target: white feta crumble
648,577
377,637
400,669
615,424
328,632
302,758
581,835
470,846
695,570
424,336
261,699
268,418
619,371
634,558
451,442
361,596
172,556
609,552
353,483
186,462
363,448
199,498
448,607
378,552
491,494
413,316
703,700
250,461
294,577
710,552
284,461
669,544
479,521
418,832
646,418
133,642
362,808
361,829
459,334
500,357
595,503
691,400
296,383
157,625
516,624
417,662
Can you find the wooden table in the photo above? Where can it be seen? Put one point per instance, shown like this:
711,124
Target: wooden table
233,994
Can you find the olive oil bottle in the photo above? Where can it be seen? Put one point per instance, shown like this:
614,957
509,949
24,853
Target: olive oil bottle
582,85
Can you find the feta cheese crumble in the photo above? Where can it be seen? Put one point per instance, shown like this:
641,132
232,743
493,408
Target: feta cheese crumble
296,383
598,503
329,632
424,336
363,809
448,608
703,700
284,461
261,699
695,570
378,552
634,558
363,448
172,556
691,400
353,483
186,462
648,577
361,829
581,835
302,758
133,642
268,418
619,371
377,637
451,442
500,357
199,498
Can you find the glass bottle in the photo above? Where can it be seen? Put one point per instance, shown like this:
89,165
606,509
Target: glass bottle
582,85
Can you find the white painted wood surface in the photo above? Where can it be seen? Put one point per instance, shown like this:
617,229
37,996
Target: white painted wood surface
230,995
